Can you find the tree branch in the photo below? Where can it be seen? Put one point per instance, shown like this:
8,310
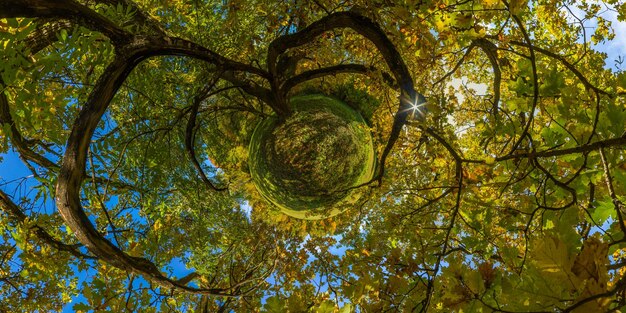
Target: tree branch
533,63
370,30
17,216
619,285
619,206
16,137
64,9
430,287
72,171
189,137
333,70
45,34
458,64
140,17
492,54
620,141
563,61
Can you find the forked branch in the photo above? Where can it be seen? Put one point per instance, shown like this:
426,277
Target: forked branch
189,133
370,30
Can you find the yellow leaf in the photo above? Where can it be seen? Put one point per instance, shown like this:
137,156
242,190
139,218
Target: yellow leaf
551,256
439,25
591,261
590,268
490,3
490,160
157,225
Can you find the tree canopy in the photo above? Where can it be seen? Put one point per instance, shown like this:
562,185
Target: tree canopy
494,181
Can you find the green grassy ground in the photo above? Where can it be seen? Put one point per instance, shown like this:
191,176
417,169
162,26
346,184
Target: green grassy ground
305,164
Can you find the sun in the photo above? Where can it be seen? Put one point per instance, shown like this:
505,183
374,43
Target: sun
417,106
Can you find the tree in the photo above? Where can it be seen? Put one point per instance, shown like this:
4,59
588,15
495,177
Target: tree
135,120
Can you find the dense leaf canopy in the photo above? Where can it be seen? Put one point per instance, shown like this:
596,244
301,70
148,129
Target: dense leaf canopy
498,129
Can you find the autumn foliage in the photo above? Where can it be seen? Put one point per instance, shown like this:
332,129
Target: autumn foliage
498,129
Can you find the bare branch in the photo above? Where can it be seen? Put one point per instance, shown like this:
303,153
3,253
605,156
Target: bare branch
430,287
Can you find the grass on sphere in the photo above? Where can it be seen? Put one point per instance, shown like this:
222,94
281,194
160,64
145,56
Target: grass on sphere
305,164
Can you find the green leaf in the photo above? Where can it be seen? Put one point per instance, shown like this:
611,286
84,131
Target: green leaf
81,306
346,308
603,210
13,23
325,307
274,304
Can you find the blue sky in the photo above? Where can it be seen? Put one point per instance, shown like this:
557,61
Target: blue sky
614,48
12,169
